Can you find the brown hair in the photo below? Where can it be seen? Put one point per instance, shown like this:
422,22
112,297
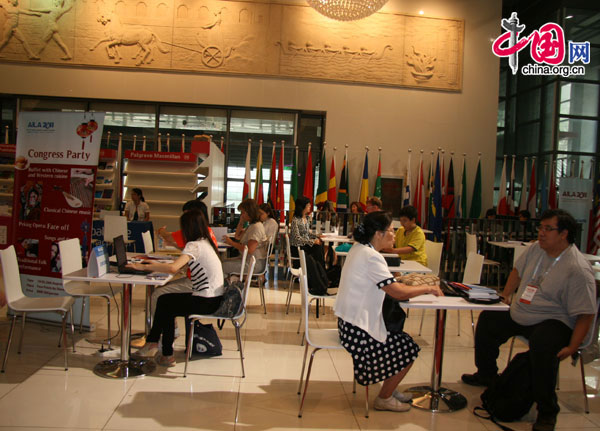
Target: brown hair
249,205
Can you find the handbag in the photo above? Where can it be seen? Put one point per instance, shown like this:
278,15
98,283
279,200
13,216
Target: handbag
393,315
206,342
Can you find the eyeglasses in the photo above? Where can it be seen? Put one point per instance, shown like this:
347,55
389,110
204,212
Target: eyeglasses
390,230
546,228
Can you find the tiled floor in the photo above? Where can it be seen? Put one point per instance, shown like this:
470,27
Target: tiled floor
36,392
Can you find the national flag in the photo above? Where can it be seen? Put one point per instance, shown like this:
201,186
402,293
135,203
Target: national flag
461,197
594,232
272,198
407,187
364,185
419,200
544,189
258,184
477,197
449,196
322,187
532,195
342,198
332,190
308,189
377,192
552,203
435,208
246,189
294,183
519,203
511,189
443,164
502,199
430,177
280,195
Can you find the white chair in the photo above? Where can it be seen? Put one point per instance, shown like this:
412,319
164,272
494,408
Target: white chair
115,226
433,250
293,273
471,247
235,320
259,277
589,338
19,303
472,275
318,339
70,256
518,251
148,244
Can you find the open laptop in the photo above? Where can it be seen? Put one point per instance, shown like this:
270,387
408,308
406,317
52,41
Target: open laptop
121,255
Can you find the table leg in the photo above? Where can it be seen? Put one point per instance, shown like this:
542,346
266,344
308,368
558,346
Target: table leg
124,367
435,398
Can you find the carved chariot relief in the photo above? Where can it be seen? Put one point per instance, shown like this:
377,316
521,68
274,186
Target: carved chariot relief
245,38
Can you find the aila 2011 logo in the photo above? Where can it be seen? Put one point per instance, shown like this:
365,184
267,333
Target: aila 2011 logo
547,48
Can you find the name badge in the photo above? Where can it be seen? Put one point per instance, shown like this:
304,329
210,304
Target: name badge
529,293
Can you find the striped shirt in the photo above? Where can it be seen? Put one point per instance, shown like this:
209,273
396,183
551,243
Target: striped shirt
205,269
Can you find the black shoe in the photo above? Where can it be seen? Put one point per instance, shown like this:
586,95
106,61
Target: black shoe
476,379
544,423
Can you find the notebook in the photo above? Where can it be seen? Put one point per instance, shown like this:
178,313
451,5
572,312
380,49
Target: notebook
121,255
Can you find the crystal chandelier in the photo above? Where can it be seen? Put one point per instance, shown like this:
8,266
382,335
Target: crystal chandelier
346,10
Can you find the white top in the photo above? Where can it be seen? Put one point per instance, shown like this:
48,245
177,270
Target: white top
142,209
256,231
271,228
205,268
360,298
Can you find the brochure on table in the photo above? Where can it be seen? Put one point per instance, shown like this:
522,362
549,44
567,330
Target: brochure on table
98,263
55,167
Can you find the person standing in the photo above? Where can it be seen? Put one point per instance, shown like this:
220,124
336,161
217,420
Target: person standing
137,209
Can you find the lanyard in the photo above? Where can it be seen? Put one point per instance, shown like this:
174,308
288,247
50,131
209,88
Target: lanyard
534,277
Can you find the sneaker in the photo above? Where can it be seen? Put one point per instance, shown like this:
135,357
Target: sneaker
404,397
391,404
476,379
165,361
148,351
544,423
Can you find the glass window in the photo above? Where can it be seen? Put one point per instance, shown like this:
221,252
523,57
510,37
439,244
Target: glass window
65,105
528,107
137,123
528,138
582,25
579,99
577,135
501,112
177,122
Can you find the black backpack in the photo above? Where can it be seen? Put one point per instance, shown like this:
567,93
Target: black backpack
317,277
510,396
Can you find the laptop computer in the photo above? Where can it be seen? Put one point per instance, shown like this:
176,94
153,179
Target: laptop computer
121,255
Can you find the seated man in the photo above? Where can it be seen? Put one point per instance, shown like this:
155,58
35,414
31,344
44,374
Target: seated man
373,204
410,238
553,308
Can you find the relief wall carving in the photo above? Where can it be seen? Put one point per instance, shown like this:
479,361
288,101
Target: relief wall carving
229,37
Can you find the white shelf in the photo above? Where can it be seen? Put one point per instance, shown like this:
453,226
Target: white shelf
104,186
162,202
107,200
106,172
171,174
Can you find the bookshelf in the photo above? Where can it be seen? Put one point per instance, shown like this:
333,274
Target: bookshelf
108,183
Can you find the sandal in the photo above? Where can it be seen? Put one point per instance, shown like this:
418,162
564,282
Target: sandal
148,351
165,361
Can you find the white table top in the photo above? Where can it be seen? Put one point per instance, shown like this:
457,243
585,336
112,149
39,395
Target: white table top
345,253
113,277
450,303
510,244
592,257
329,237
410,266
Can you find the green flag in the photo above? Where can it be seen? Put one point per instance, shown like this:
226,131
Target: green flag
463,192
476,198
294,183
377,192
322,188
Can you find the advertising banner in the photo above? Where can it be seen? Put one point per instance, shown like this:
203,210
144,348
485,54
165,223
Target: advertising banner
55,170
576,198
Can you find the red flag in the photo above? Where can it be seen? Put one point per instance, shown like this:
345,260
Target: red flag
280,195
309,188
502,199
552,204
272,198
246,190
419,202
331,191
511,189
532,196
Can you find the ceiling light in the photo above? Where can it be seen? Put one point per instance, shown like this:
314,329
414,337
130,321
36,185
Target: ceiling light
346,10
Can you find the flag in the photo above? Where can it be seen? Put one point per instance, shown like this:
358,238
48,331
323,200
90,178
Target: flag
246,190
435,208
406,189
461,198
430,179
331,191
377,191
544,189
476,198
443,179
280,195
502,199
594,233
364,185
552,203
520,201
308,189
342,198
258,184
322,187
449,195
272,198
294,183
511,189
532,196
419,200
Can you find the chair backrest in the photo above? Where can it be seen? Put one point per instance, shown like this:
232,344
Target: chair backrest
115,226
592,331
244,256
433,250
303,263
518,252
70,258
148,245
471,243
11,276
104,213
288,250
245,295
473,267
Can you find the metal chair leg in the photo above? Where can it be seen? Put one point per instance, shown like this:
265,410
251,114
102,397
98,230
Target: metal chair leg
288,300
422,319
367,401
108,338
312,358
239,341
188,351
354,386
83,298
64,341
473,325
72,318
303,366
22,332
10,334
585,397
458,314
262,295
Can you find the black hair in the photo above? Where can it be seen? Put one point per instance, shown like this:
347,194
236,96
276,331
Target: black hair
267,209
372,222
490,212
251,208
525,213
565,222
194,227
300,203
408,211
196,204
139,192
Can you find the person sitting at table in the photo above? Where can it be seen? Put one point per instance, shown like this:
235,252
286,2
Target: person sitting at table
175,239
377,354
356,208
554,306
137,209
268,220
410,239
301,236
373,204
524,215
201,257
254,237
490,214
